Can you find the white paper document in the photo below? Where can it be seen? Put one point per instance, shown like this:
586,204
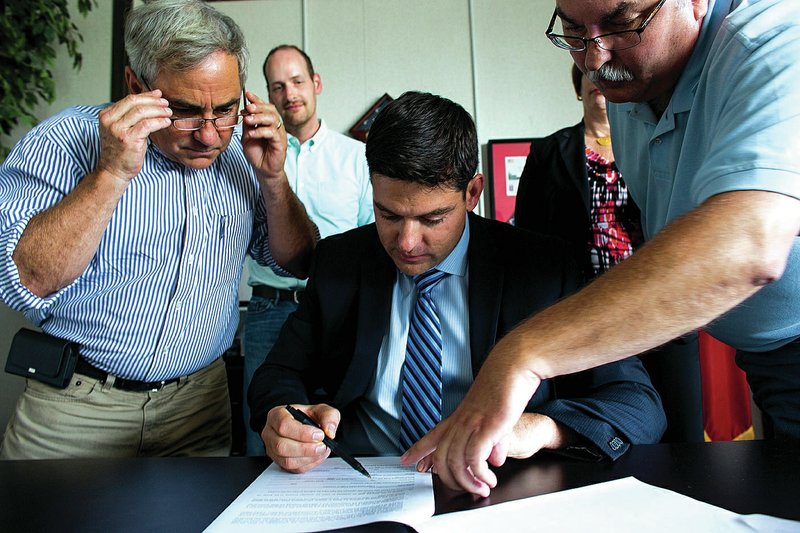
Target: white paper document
332,495
615,506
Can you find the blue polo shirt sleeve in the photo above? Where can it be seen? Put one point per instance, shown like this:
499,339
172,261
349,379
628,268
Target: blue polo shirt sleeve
749,103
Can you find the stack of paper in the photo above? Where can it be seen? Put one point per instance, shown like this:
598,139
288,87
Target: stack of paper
332,495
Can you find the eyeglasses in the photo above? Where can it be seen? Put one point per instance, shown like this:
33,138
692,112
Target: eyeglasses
193,124
615,40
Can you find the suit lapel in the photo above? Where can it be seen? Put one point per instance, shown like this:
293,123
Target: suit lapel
377,275
486,277
572,150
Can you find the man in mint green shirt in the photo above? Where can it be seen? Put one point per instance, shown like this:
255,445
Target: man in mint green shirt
328,173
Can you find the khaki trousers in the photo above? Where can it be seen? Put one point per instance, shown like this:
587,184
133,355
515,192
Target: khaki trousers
91,419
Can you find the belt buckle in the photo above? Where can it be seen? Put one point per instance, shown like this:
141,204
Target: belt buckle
158,386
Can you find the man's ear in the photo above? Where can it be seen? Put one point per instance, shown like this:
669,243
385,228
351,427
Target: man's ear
700,8
135,86
474,190
317,84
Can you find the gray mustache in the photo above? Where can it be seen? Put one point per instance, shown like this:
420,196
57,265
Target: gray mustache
609,73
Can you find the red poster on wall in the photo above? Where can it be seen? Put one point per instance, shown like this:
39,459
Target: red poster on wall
506,161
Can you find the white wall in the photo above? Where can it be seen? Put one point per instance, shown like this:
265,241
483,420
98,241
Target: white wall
516,83
488,55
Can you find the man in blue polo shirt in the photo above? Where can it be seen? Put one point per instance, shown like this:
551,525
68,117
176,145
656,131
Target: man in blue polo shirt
328,172
708,145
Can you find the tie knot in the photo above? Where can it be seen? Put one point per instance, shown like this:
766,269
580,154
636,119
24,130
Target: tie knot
427,281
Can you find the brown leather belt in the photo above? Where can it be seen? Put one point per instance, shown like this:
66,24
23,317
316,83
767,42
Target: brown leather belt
271,293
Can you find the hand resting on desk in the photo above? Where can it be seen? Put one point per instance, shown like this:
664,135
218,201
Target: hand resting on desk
297,447
532,432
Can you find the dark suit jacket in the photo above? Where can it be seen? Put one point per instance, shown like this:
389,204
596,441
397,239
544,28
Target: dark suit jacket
328,349
553,193
553,199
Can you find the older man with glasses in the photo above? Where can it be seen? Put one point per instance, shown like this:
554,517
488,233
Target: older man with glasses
704,123
124,230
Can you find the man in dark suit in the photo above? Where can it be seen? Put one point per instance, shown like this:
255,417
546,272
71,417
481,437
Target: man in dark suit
341,357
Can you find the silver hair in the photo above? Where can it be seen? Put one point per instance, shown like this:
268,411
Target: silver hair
178,35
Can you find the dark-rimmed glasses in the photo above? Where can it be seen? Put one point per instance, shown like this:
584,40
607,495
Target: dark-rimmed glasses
615,40
193,124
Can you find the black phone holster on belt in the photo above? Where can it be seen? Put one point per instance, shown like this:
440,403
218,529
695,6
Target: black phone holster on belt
42,357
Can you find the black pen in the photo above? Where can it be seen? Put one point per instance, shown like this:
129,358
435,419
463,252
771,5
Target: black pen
300,416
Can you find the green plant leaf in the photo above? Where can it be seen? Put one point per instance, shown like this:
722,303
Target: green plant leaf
31,30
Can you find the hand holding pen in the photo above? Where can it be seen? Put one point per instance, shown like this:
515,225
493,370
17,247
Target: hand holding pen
298,447
334,446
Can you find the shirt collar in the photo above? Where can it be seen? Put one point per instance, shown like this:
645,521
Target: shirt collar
316,139
456,261
687,84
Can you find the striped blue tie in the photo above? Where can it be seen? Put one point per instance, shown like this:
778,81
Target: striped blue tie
422,369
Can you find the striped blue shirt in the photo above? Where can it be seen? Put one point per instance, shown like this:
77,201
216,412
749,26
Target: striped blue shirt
380,410
160,297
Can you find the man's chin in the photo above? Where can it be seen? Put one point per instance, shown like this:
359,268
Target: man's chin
412,268
198,160
295,120
619,92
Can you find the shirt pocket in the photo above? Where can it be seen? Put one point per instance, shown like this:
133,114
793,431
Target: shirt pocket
229,239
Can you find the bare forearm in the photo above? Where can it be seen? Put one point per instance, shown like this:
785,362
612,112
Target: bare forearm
292,235
58,244
698,268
